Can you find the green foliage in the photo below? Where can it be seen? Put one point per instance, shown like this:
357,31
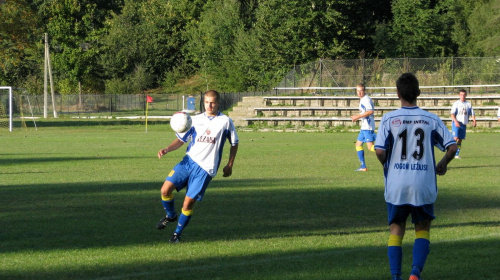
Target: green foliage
234,45
418,29
19,42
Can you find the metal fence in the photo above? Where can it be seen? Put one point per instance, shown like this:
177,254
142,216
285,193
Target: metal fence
73,105
444,71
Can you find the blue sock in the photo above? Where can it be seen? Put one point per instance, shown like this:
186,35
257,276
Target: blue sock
169,207
395,254
421,250
361,156
183,221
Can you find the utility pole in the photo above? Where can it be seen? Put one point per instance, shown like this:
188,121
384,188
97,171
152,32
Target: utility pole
48,71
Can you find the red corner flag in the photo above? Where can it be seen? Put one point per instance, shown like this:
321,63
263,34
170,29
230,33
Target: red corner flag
149,99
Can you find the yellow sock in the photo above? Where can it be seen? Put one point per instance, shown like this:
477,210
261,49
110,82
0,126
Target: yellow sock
187,212
422,234
359,148
168,197
395,240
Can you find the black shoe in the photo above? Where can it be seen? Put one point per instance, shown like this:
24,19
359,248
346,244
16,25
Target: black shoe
176,238
163,222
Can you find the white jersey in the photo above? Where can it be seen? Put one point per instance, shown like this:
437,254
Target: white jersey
409,135
366,104
498,114
462,111
208,136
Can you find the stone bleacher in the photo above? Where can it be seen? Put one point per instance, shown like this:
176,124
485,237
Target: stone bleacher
329,111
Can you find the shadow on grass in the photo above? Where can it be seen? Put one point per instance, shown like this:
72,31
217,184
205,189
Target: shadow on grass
448,260
63,158
40,217
89,122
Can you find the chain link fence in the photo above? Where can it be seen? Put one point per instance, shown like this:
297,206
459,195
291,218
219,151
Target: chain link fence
445,71
114,105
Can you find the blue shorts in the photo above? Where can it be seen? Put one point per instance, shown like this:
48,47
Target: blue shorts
458,132
399,213
366,136
188,174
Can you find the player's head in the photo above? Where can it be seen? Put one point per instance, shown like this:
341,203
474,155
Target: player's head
211,101
408,88
462,94
360,90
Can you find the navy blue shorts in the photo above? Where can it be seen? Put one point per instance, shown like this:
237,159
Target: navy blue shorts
458,132
399,213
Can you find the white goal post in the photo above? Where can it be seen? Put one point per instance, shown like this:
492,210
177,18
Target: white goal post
10,109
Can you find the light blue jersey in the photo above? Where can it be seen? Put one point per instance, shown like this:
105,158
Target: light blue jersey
409,135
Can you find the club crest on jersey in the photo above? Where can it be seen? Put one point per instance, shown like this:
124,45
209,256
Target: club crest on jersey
396,122
208,132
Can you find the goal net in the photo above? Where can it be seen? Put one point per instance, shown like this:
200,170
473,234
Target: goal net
6,108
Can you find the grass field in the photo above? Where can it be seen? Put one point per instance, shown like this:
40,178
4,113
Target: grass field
82,201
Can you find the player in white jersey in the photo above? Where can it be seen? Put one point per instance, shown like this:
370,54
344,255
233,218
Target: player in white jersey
206,138
367,132
460,112
498,114
405,146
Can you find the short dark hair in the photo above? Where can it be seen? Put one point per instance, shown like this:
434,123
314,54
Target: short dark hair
361,85
462,90
213,93
408,87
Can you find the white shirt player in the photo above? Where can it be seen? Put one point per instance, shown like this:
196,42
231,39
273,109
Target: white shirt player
409,135
366,104
208,136
462,111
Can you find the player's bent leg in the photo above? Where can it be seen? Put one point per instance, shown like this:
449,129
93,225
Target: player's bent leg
167,199
361,155
459,146
184,218
370,146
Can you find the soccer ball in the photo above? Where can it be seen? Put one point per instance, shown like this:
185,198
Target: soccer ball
180,122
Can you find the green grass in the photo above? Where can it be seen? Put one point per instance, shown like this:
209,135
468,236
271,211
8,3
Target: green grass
80,201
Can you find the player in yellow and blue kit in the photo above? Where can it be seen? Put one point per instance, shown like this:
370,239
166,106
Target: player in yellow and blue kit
206,138
405,146
367,132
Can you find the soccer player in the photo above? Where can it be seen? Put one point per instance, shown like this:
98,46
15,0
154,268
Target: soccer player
207,136
498,114
405,146
460,112
367,132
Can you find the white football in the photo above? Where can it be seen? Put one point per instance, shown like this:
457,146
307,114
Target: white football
180,122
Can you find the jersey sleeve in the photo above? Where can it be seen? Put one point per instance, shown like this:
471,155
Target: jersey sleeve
232,135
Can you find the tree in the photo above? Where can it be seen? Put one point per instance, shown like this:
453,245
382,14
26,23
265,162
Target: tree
419,29
150,34
19,41
74,28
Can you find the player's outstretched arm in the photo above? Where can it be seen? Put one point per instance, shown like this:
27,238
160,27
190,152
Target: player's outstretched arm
228,169
442,165
176,144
